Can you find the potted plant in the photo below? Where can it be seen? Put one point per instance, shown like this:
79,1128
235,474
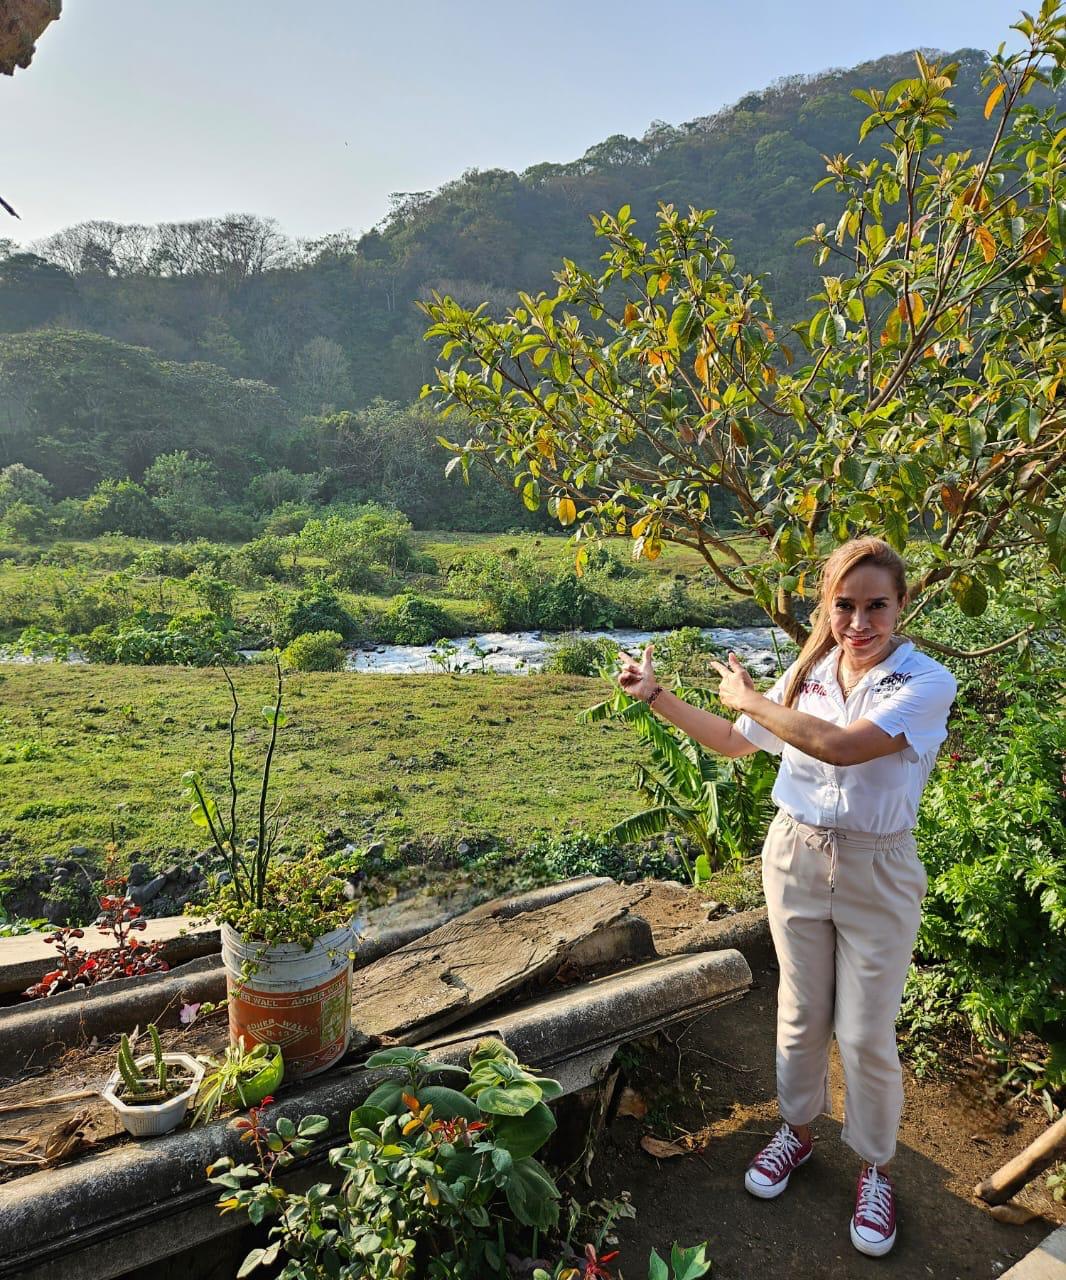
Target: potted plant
288,933
151,1093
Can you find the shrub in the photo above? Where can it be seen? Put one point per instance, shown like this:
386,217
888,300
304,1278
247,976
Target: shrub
260,558
317,608
121,506
580,657
435,1181
521,593
991,832
411,619
315,651
190,640
289,518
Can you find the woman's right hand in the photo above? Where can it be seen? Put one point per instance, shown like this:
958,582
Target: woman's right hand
637,678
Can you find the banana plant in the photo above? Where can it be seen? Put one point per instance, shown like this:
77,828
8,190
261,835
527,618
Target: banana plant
723,806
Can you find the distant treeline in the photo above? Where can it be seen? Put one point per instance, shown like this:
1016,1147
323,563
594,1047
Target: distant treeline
223,338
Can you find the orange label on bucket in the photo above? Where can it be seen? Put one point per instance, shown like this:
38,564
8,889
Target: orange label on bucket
310,1026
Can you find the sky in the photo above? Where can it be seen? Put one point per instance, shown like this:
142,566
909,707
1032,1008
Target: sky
164,110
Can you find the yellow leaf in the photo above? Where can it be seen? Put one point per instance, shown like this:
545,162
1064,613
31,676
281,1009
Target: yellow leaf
432,1194
993,98
1035,245
639,526
653,548
228,1205
581,559
806,506
566,511
629,316
664,281
700,365
620,525
769,376
917,308
987,243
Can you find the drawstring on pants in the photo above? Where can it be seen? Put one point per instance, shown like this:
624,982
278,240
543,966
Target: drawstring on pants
827,840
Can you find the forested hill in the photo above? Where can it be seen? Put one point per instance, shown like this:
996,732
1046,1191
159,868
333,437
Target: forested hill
332,323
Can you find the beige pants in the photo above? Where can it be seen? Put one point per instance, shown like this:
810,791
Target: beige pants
844,908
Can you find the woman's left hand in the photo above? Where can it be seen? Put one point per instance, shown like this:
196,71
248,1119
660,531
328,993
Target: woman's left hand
737,686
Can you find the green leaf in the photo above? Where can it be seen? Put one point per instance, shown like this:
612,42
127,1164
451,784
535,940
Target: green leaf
1056,225
896,528
513,1100
657,1268
367,1117
250,1263
401,1056
689,1264
681,325
313,1126
970,595
387,1097
524,1135
447,1103
532,1195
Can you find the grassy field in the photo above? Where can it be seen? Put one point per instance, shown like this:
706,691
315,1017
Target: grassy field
82,748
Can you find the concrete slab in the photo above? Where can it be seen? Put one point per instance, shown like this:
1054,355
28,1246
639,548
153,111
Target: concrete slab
446,975
1046,1262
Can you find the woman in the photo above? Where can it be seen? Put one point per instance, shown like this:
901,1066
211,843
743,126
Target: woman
857,721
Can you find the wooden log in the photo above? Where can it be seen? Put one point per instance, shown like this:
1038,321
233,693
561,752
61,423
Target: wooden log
1037,1156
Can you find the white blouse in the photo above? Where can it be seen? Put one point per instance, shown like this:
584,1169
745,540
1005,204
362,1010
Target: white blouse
908,693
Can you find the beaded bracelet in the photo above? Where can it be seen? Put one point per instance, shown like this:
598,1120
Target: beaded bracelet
655,693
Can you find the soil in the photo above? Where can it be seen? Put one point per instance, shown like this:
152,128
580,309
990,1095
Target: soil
719,1072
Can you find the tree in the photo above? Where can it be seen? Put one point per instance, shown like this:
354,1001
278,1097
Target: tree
922,397
21,484
32,291
122,506
186,491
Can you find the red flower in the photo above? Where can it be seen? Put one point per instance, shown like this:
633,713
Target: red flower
595,1267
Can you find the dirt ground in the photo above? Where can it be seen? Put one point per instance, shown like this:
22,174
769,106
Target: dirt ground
952,1135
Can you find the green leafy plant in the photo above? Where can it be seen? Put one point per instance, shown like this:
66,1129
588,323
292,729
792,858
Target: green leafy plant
434,1179
241,1078
722,806
990,832
314,651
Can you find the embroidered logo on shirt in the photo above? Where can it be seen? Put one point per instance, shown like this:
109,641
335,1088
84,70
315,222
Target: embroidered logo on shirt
894,681
814,686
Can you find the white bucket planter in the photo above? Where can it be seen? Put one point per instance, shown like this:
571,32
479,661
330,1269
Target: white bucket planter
153,1118
284,995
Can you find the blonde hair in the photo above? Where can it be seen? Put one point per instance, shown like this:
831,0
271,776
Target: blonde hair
848,556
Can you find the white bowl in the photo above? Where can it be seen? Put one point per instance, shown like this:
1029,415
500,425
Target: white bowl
153,1118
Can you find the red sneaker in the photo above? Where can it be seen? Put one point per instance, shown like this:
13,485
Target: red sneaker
873,1228
769,1172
